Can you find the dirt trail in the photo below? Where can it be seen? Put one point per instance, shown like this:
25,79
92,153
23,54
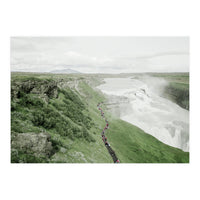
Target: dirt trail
104,138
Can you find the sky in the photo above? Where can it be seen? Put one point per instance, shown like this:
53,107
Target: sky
100,54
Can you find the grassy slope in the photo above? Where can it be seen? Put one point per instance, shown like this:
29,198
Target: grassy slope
81,151
130,143
133,145
71,148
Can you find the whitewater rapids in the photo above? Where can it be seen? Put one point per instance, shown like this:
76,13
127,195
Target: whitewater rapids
138,101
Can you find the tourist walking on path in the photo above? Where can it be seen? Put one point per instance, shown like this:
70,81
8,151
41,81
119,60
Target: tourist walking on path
104,138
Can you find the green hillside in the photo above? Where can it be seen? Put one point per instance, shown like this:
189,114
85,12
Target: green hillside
54,119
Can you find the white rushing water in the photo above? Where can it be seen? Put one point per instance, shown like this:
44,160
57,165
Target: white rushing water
138,102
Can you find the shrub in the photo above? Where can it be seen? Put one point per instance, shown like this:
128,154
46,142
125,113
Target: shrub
38,118
52,116
24,157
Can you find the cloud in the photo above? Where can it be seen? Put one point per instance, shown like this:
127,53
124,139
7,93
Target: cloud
47,54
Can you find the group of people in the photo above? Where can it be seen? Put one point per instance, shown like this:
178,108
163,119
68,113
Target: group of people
104,138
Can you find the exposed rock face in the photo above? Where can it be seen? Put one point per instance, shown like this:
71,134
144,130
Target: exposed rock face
178,95
40,87
37,143
50,89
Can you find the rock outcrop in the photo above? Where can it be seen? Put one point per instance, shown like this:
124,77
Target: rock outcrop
43,88
38,144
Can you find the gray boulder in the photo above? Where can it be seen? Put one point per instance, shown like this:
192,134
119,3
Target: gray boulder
38,144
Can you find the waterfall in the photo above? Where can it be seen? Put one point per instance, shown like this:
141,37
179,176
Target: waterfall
138,101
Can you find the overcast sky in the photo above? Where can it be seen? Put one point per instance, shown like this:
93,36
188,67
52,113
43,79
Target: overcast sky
100,54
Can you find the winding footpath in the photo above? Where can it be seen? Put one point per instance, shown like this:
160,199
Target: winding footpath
104,138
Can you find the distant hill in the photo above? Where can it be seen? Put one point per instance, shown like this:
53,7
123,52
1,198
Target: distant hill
66,71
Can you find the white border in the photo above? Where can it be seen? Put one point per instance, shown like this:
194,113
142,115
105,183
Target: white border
99,18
